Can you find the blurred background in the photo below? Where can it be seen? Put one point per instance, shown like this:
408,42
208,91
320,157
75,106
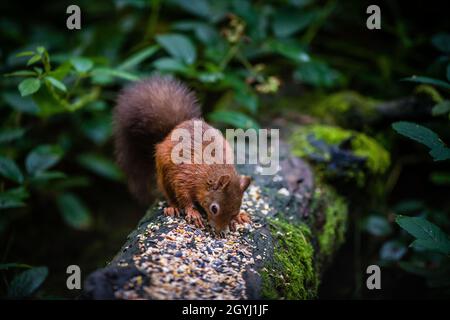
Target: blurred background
63,200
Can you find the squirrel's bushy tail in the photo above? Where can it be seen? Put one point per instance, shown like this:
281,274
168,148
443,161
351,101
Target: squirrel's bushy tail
146,112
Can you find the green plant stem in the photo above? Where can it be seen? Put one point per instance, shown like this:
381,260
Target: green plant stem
153,20
315,27
245,63
230,54
46,62
75,85
56,96
84,100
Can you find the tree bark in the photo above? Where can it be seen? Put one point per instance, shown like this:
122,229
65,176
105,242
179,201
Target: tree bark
297,225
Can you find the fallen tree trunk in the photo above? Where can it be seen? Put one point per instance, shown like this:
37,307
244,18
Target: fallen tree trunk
297,225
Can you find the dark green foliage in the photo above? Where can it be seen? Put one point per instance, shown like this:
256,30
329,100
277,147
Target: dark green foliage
70,88
431,248
26,283
55,136
428,235
243,58
377,225
438,150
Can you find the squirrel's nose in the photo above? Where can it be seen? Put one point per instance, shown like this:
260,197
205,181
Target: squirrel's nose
223,233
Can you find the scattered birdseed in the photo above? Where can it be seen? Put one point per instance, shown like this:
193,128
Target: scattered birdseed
185,262
211,270
285,192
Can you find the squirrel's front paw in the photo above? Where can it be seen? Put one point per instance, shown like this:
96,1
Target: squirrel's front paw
171,212
241,218
193,216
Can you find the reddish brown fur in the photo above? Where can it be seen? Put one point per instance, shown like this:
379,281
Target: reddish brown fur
186,185
146,114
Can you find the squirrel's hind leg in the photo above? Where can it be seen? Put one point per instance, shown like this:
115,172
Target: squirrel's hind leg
172,209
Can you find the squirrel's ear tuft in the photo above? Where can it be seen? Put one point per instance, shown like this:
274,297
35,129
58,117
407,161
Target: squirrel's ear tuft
245,182
222,182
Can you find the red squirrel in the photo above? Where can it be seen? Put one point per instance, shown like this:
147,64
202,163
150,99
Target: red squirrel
145,116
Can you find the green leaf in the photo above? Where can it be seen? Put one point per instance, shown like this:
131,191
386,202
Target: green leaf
442,42
170,65
21,104
13,198
138,57
441,108
203,31
34,59
7,135
21,73
48,104
10,170
290,49
440,178
436,274
428,235
45,176
26,283
43,157
98,129
440,154
41,50
287,22
433,245
56,83
427,80
108,72
211,10
178,46
210,77
317,73
6,266
29,86
392,250
377,225
236,119
81,64
248,99
421,134
25,54
74,212
100,165
62,71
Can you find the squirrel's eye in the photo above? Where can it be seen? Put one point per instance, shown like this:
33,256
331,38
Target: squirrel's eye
214,208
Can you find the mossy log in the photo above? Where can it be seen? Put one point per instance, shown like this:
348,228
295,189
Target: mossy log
297,226
350,109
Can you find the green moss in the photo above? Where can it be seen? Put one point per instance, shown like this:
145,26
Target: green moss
378,159
345,108
291,274
344,102
332,233
268,291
